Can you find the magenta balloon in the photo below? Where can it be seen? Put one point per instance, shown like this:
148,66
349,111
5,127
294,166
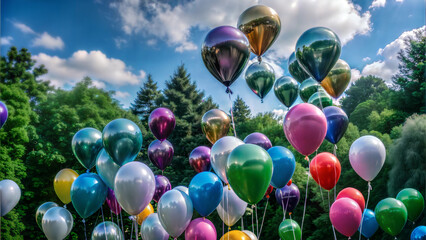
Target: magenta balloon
345,215
259,139
161,121
162,185
305,127
112,202
160,153
200,229
199,159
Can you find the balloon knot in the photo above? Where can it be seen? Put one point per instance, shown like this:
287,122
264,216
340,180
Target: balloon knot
65,206
306,158
290,213
369,186
261,100
88,170
229,228
259,59
228,90
229,186
267,196
84,221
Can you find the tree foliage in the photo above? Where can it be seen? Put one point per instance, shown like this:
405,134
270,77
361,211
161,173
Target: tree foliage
146,98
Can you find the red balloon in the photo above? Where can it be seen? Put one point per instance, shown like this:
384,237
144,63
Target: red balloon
268,191
325,170
289,183
353,194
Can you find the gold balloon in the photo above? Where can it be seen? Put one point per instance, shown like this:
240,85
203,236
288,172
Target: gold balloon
337,79
235,235
261,25
62,184
144,214
215,124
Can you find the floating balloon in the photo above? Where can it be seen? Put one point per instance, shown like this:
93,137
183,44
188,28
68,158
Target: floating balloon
317,51
321,99
345,215
112,202
286,90
288,197
337,79
419,233
220,152
325,170
284,166
162,185
86,145
201,228
250,234
57,223
205,191
307,88
161,121
258,139
161,153
215,124
289,229
235,235
182,189
145,213
199,159
296,70
3,114
337,123
231,208
41,210
353,194
62,184
107,230
10,193
260,78
413,201
106,168
367,156
88,193
391,215
122,140
152,229
269,191
369,224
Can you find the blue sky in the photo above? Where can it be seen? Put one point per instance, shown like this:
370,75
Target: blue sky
117,43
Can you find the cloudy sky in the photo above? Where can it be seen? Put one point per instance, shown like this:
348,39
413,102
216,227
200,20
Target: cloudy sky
117,43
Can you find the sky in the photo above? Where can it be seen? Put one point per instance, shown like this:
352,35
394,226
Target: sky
118,43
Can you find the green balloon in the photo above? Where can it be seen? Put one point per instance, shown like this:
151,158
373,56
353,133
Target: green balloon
286,90
413,201
296,70
86,145
307,88
391,215
321,99
289,230
260,78
249,172
41,210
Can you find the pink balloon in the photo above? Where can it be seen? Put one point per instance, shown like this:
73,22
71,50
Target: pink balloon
345,215
200,229
305,127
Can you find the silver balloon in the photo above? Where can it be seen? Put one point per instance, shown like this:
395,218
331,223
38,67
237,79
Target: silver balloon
175,212
134,187
152,229
106,168
107,230
182,189
57,223
250,234
41,210
231,208
10,193
219,154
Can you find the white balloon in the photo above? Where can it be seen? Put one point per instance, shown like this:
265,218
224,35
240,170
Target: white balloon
10,193
220,152
231,208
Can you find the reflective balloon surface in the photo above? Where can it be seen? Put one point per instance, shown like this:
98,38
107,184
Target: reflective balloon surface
284,165
289,229
161,121
258,139
220,152
202,229
107,230
413,201
288,197
161,153
296,70
199,159
231,207
10,193
57,223
3,114
106,168
353,194
337,79
419,233
162,185
391,215
88,193
152,229
307,88
145,213
320,99
337,123
325,170
260,78
182,189
62,184
235,235
215,124
86,145
369,224
205,191
345,215
41,210
250,234
286,90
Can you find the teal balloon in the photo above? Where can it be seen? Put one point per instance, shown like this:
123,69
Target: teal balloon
307,88
286,90
260,78
41,210
86,145
88,193
296,70
106,168
122,140
321,99
107,230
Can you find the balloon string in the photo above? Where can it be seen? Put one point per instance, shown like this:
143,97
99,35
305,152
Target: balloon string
366,207
232,111
332,226
263,218
242,223
284,208
292,227
131,232
121,220
103,220
223,226
84,223
136,227
257,222
319,96
304,207
335,174
227,204
112,217
252,222
259,59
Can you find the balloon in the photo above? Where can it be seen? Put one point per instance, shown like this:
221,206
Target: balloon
220,152
3,114
321,99
307,88
391,215
284,166
201,229
296,70
199,159
152,229
419,233
286,90
88,193
225,53
305,127
317,51
215,124
345,215
288,197
250,234
145,213
261,25
353,194
182,189
289,229
107,230
122,140
62,184
337,123
337,79
259,139
134,187
86,145
369,224
161,153
413,201
10,193
106,168
205,191
367,156
175,212
235,235
249,171
231,208
41,210
112,202
57,223
269,191
161,121
162,185
325,170
260,78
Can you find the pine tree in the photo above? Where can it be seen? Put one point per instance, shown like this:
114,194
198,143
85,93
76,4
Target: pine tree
241,110
146,99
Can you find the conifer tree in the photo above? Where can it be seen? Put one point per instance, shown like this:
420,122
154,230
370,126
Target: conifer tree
146,99
241,110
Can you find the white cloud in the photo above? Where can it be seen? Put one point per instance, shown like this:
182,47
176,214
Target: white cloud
377,4
6,40
355,74
49,42
119,42
279,114
121,95
151,42
366,59
23,28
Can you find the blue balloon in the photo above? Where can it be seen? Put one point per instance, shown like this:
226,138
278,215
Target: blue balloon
337,123
419,233
205,191
369,224
284,166
88,193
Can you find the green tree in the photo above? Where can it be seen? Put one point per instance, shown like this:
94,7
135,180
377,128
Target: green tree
240,110
145,101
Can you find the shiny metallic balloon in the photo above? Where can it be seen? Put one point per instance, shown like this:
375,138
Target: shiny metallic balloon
162,122
215,124
107,230
106,168
62,184
199,159
205,191
258,139
201,228
182,189
3,114
231,208
321,99
220,152
10,193
288,197
152,229
337,123
162,185
286,90
337,79
161,153
260,78
86,145
296,70
307,88
57,223
250,234
41,210
235,235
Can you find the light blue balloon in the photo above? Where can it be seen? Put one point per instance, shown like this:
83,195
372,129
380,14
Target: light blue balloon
284,166
88,193
152,229
107,230
106,168
419,233
369,224
205,191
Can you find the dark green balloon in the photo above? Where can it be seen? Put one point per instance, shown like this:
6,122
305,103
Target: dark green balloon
249,172
286,90
296,70
307,88
86,145
391,215
321,99
413,201
260,78
42,210
289,230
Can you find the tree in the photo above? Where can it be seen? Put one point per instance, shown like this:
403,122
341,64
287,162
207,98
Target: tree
145,101
240,110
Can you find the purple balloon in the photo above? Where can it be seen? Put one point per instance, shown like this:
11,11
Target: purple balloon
259,139
160,153
162,185
200,229
112,202
161,121
3,114
288,197
199,159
